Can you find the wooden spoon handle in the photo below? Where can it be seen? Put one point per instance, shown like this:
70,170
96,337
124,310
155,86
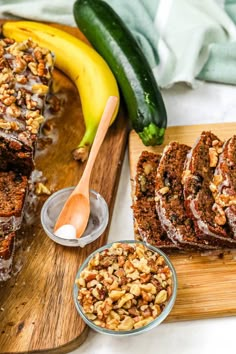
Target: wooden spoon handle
100,135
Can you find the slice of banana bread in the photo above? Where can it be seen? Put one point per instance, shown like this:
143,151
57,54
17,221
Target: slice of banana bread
146,223
223,187
198,174
170,201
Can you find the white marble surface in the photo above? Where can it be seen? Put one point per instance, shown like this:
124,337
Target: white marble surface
209,103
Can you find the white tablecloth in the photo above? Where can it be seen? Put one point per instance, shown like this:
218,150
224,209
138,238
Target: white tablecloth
209,103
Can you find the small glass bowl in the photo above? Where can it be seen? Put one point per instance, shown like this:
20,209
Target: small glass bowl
97,223
140,330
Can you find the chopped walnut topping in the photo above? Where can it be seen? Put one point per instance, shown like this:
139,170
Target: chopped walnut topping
20,65
22,90
225,200
40,89
8,100
13,111
33,68
220,218
41,69
21,79
42,189
14,126
119,290
5,125
38,54
217,179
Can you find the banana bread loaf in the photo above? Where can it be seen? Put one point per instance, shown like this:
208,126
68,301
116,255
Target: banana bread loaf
25,80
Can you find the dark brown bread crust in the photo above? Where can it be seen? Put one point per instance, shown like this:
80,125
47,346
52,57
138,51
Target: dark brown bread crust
199,201
147,225
170,202
223,186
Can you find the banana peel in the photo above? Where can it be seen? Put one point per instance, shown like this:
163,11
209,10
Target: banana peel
82,64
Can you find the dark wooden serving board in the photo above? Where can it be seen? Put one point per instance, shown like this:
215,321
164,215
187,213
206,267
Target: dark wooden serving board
207,280
37,313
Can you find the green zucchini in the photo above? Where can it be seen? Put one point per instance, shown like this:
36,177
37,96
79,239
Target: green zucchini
113,40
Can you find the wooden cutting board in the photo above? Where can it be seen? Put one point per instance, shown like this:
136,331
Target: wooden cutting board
206,281
37,313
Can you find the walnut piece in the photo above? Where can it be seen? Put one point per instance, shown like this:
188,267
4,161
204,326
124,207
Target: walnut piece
213,156
163,190
147,166
220,218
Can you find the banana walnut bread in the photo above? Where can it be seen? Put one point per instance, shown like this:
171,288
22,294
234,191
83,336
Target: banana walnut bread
195,195
25,81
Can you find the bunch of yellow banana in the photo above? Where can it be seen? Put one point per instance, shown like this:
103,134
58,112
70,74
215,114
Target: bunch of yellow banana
81,63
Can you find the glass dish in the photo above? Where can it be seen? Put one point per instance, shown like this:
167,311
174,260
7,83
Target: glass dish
140,330
97,223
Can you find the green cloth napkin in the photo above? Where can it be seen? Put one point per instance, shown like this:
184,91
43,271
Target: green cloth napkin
183,40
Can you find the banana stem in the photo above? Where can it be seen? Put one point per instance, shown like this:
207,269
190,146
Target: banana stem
81,152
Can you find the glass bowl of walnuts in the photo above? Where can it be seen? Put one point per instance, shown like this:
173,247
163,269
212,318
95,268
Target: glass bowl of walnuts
125,288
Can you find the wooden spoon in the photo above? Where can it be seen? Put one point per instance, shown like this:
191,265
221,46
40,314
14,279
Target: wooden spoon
75,212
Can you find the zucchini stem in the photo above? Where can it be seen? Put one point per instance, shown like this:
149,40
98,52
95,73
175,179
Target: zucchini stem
152,135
